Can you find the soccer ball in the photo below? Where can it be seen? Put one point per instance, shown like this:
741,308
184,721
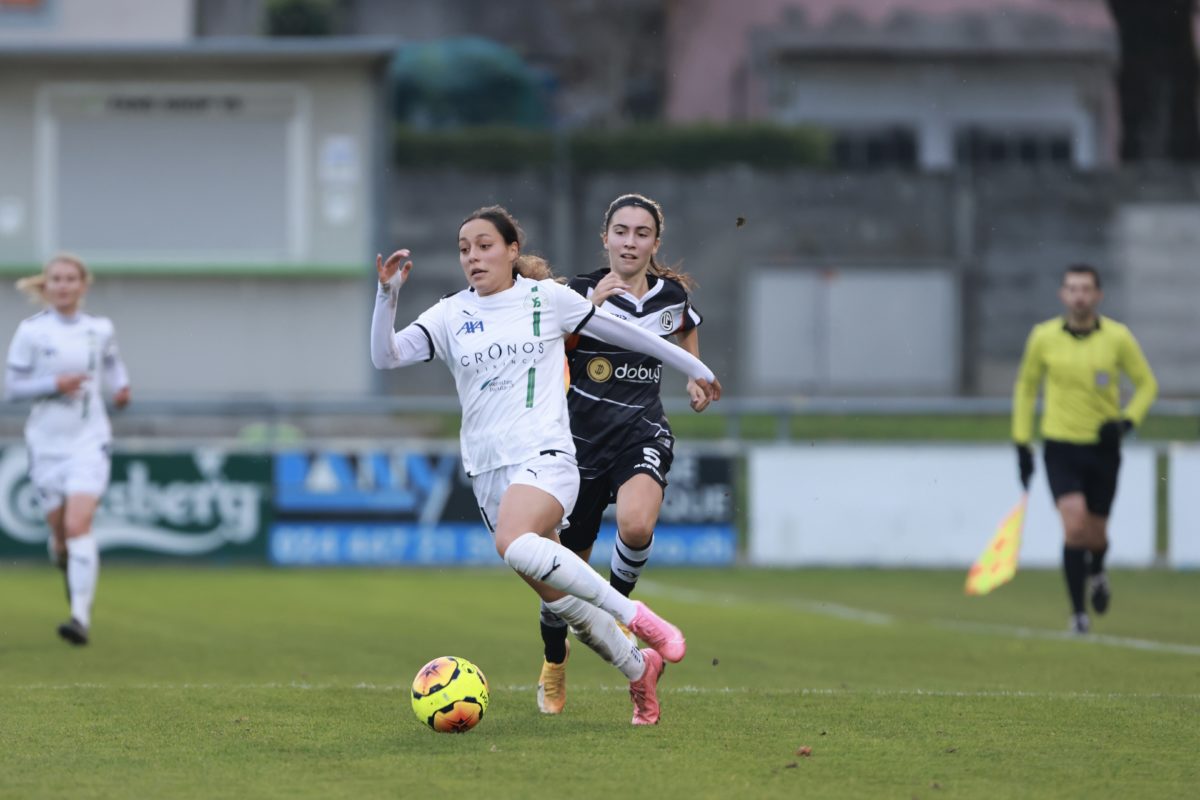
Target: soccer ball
450,695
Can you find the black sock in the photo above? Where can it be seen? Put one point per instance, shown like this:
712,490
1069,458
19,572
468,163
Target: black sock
621,585
1075,571
554,639
1097,563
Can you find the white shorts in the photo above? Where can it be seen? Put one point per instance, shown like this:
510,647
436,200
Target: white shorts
556,474
57,477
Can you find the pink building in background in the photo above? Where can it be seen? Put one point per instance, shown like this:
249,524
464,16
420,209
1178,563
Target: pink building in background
936,81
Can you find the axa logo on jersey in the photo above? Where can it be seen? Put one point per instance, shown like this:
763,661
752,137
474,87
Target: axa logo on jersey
470,326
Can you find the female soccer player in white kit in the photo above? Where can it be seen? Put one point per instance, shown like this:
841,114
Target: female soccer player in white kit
60,358
502,338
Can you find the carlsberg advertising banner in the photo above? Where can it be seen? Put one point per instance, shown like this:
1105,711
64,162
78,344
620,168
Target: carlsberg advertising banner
183,504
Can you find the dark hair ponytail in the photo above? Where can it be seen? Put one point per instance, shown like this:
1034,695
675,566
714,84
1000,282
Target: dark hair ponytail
660,223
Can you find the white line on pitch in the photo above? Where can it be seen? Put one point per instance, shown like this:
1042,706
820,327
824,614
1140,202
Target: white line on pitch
1019,632
819,607
520,688
839,611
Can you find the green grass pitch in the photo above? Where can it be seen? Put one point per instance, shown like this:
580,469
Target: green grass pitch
250,683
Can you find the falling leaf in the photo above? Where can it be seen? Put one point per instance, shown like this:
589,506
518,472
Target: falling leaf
741,221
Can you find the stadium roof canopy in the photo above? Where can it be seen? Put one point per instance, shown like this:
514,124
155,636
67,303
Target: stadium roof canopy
245,50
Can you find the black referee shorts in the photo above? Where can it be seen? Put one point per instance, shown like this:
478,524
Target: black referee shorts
651,458
1087,468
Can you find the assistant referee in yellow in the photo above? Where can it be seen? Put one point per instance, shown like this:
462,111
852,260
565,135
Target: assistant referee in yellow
1081,356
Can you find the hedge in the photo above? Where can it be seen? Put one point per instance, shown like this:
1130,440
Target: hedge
685,149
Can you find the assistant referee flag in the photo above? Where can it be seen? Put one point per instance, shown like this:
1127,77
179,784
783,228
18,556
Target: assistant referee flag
998,563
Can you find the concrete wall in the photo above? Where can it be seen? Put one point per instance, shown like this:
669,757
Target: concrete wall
224,337
1005,236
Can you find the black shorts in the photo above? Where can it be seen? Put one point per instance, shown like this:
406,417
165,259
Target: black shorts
1087,468
595,495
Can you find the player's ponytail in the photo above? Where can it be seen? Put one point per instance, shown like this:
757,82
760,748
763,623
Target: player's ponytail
34,286
660,224
535,268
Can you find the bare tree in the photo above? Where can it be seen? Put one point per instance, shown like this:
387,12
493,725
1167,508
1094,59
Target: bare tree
1157,79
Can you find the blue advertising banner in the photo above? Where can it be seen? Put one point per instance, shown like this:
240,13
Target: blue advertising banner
416,507
381,544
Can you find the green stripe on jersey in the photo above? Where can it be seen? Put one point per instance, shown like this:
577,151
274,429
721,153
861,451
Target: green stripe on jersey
529,384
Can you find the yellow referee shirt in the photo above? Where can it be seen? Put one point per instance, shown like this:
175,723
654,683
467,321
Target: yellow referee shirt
1083,381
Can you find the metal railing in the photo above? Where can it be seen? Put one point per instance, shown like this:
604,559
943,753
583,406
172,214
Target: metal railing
274,410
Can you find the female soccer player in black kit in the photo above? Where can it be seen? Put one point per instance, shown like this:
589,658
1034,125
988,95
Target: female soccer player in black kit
623,442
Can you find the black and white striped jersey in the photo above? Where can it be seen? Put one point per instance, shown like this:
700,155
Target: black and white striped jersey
615,397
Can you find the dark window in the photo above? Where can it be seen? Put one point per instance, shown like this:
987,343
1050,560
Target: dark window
983,147
875,148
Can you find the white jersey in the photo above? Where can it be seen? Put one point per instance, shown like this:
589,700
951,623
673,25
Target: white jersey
507,357
47,345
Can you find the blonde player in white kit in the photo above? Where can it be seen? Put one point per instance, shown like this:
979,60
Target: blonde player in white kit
502,338
61,358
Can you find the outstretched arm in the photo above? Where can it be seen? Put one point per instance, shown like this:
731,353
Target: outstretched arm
389,348
610,329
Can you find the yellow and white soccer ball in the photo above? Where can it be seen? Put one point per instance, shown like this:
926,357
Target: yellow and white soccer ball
450,695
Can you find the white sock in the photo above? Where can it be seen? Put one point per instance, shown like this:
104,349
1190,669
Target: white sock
599,631
627,563
83,569
551,619
548,561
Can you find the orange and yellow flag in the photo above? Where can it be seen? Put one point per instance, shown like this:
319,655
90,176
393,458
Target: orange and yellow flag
998,563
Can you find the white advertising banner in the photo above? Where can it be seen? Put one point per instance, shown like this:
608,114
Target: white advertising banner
1183,546
922,506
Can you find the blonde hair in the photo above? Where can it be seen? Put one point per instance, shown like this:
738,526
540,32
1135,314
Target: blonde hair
34,286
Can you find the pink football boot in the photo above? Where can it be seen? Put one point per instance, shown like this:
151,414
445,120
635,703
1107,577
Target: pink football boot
658,633
644,691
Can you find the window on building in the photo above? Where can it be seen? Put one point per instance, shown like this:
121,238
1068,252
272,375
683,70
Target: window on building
875,148
979,146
